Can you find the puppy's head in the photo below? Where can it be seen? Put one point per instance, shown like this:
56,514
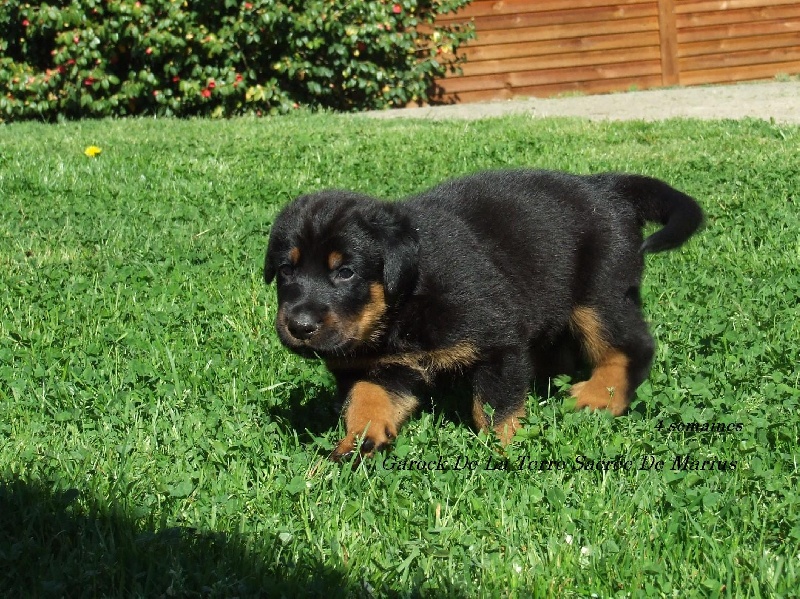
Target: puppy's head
341,261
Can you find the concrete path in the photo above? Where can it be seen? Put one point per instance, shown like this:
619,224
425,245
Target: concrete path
771,100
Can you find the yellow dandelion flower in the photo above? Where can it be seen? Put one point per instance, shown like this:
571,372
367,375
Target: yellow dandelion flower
92,151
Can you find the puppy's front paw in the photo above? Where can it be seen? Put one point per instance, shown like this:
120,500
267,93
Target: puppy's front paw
377,436
597,396
607,388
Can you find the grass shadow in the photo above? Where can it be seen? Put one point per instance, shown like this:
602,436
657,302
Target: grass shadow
62,544
309,411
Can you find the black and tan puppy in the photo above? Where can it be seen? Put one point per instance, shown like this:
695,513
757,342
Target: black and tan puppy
487,275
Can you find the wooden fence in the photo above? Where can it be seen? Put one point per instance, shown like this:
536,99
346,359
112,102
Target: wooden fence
548,47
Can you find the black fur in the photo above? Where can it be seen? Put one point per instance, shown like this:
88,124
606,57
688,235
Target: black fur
497,261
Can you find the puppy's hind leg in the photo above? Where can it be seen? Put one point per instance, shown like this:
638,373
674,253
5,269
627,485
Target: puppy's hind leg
620,353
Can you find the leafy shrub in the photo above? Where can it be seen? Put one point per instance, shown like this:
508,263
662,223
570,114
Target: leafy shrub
95,58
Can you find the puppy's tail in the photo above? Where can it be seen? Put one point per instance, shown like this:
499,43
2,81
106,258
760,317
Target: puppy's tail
657,202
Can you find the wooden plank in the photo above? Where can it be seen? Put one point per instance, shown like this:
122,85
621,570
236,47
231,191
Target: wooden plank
746,15
562,17
599,86
697,6
531,34
572,44
545,76
566,60
482,8
741,73
737,59
714,32
669,42
737,44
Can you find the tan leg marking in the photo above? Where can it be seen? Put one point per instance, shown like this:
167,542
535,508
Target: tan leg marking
479,416
506,429
588,327
608,386
375,415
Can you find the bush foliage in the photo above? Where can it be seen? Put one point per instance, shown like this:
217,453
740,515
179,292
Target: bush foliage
95,58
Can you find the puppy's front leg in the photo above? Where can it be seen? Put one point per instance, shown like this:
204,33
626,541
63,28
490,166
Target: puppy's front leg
501,383
373,413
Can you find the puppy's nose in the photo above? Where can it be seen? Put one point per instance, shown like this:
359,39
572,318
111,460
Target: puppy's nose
302,326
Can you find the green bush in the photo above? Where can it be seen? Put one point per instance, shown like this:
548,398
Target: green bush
95,58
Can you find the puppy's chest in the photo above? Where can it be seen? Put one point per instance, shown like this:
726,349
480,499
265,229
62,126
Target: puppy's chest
426,364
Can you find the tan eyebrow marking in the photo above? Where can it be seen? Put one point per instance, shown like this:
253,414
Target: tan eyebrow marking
294,256
335,260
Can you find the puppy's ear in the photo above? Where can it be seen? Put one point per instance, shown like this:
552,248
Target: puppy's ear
283,227
269,270
400,257
269,257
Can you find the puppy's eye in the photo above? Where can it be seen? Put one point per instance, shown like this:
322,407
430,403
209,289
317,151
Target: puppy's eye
286,270
345,273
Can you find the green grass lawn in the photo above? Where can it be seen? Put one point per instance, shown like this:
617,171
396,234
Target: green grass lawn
156,439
